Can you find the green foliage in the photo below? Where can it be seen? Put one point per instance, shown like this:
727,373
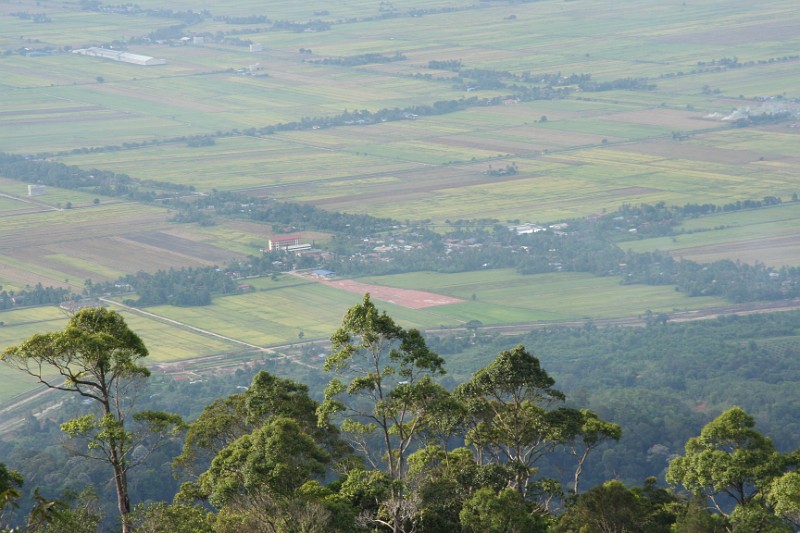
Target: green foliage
365,489
389,394
277,457
266,457
80,514
506,511
10,483
162,517
510,419
695,517
98,357
228,419
221,422
390,387
730,459
76,515
613,507
593,432
443,480
95,354
37,295
784,495
9,479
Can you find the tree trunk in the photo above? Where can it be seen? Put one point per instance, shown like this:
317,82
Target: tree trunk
579,470
121,482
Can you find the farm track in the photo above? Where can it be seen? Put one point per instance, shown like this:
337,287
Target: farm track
10,413
45,206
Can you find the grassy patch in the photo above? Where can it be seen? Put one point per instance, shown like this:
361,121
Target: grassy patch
505,296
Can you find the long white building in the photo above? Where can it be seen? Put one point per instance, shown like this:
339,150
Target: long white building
124,57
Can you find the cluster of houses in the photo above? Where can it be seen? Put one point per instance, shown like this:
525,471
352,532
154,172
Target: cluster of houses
386,247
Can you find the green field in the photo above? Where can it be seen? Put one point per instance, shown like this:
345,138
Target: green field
584,154
18,325
595,151
503,296
278,311
164,341
767,235
582,160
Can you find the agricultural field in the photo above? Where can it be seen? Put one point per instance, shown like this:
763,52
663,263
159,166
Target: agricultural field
166,342
436,165
64,247
279,310
291,309
16,326
770,236
503,296
668,138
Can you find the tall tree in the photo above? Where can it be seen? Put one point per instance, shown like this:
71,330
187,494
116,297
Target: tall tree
512,420
98,357
594,431
388,393
227,419
264,455
733,463
257,478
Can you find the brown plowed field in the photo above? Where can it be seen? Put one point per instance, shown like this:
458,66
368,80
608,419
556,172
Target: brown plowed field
404,297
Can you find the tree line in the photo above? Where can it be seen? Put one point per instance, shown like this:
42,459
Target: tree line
40,171
37,295
388,448
364,117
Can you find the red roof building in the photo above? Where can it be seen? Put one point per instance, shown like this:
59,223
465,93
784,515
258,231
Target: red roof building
282,243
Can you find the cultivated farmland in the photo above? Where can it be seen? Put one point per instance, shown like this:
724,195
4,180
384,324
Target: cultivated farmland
409,110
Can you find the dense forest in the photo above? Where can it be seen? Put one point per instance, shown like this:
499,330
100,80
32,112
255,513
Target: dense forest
609,429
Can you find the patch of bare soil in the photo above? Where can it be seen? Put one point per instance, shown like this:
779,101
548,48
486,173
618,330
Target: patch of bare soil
403,297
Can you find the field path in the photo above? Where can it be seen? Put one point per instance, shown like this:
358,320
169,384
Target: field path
26,200
202,331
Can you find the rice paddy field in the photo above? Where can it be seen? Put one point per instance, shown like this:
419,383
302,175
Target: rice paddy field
770,236
278,311
672,141
594,151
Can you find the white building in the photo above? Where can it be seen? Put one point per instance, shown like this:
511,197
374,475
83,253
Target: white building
37,190
123,57
527,228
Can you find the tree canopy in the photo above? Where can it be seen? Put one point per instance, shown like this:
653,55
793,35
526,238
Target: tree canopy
98,357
